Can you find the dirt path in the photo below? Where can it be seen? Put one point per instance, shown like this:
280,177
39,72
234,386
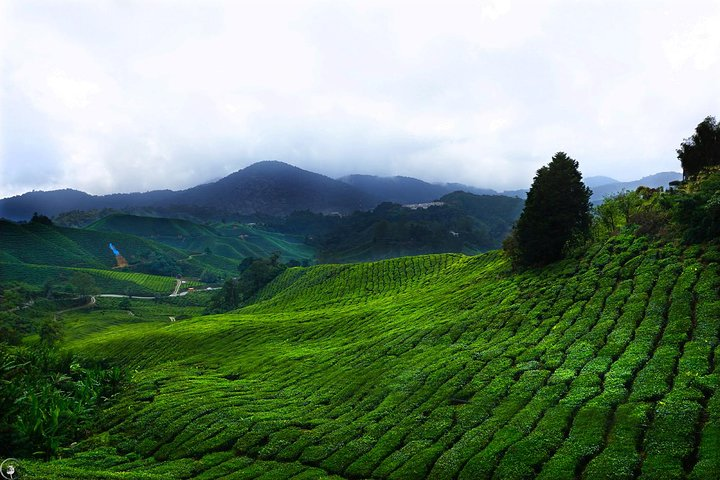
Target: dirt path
178,282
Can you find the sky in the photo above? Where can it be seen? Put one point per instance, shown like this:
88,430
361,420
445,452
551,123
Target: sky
121,96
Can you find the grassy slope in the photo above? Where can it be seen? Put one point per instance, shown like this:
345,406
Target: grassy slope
444,366
231,240
36,253
106,281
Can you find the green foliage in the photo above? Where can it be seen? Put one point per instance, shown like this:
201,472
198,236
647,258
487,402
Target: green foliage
255,273
83,283
51,331
9,322
556,214
702,149
462,223
49,399
696,207
42,219
645,208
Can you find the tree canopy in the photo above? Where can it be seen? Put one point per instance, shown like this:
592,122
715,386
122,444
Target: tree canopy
702,149
557,211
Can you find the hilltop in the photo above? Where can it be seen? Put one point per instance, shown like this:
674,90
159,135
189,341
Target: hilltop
447,366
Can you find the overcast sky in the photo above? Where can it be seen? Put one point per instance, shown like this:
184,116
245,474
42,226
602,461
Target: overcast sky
138,95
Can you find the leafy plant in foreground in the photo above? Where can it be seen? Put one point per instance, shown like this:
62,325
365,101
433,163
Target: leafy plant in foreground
48,399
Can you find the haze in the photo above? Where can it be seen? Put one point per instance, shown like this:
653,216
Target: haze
131,96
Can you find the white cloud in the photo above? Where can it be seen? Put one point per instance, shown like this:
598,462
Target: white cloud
107,96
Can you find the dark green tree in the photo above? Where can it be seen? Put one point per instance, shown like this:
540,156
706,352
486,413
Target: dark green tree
84,284
556,213
702,149
51,331
38,218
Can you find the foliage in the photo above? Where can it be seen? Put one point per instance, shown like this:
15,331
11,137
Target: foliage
690,213
255,273
646,208
51,331
83,283
48,399
556,213
42,219
696,207
702,149
9,322
460,222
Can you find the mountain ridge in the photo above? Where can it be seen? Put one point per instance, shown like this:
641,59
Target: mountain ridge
277,188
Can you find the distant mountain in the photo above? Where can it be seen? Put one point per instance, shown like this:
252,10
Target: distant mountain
599,180
406,190
21,207
271,188
661,179
606,186
276,188
396,189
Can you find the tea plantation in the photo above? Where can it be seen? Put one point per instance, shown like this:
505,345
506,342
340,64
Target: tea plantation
438,366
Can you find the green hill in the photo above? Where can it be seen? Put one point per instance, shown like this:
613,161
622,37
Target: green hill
439,366
228,240
35,252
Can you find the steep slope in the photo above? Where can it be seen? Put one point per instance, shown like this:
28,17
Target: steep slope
441,366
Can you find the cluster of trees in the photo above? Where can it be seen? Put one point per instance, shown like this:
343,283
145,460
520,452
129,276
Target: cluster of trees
255,273
557,213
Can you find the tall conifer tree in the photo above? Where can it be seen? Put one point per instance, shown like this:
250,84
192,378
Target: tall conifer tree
557,211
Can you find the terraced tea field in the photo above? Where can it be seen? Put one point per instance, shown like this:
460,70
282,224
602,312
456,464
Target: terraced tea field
106,281
439,366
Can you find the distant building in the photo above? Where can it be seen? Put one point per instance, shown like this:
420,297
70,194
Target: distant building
423,206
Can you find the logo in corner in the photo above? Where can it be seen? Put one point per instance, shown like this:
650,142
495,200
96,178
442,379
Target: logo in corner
9,469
